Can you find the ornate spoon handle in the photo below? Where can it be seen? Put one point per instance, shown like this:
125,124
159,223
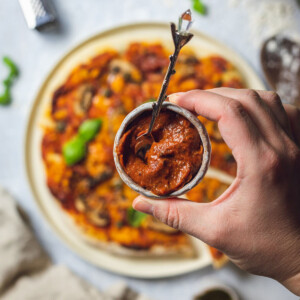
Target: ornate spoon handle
180,38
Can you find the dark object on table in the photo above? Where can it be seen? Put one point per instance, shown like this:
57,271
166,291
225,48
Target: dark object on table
215,294
39,14
280,59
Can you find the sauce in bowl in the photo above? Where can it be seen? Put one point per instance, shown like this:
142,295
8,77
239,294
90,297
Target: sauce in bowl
173,159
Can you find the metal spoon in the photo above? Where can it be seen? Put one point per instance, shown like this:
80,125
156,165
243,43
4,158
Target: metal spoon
280,59
180,38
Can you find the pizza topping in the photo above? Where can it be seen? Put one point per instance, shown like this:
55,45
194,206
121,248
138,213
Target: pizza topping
117,183
99,218
134,217
61,126
124,68
75,149
97,212
89,128
83,99
80,204
173,159
101,177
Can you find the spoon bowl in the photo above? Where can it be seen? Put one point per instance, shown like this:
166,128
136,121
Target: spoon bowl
280,60
144,142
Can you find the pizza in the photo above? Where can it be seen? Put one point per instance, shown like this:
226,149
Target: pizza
92,103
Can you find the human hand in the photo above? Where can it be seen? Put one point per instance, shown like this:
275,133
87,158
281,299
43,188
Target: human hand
256,221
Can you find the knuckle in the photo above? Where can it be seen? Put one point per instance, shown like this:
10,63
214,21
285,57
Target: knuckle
169,215
273,160
272,165
278,165
236,108
274,98
252,94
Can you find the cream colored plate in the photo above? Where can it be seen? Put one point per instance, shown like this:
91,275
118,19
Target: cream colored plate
117,38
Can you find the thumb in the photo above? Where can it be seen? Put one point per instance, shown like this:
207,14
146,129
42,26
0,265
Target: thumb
196,219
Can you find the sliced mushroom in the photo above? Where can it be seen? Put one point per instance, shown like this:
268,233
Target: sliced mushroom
61,126
120,65
156,225
185,70
103,176
87,96
99,218
127,69
186,66
83,99
191,60
96,210
80,204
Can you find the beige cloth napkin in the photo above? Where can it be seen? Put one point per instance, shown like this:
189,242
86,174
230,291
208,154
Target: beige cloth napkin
26,272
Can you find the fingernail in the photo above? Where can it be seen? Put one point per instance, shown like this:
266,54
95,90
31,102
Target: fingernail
143,205
174,97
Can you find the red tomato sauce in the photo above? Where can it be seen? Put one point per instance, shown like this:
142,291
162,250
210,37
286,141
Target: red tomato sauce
173,159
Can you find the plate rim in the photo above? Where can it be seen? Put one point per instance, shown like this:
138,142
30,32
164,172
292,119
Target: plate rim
30,120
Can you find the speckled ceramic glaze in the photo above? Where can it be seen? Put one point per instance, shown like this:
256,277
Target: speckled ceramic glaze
203,136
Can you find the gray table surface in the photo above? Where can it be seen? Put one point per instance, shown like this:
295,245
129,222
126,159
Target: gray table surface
36,53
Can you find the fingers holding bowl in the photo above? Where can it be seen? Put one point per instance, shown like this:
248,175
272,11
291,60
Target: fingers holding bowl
236,127
185,168
264,107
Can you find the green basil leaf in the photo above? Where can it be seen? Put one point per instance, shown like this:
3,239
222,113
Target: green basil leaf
134,217
14,71
199,7
89,128
5,97
74,150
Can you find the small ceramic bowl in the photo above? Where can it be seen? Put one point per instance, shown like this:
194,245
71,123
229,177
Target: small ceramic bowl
203,136
212,285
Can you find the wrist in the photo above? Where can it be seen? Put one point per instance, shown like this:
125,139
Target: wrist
293,284
291,262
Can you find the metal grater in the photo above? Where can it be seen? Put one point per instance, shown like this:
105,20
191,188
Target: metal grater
38,13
